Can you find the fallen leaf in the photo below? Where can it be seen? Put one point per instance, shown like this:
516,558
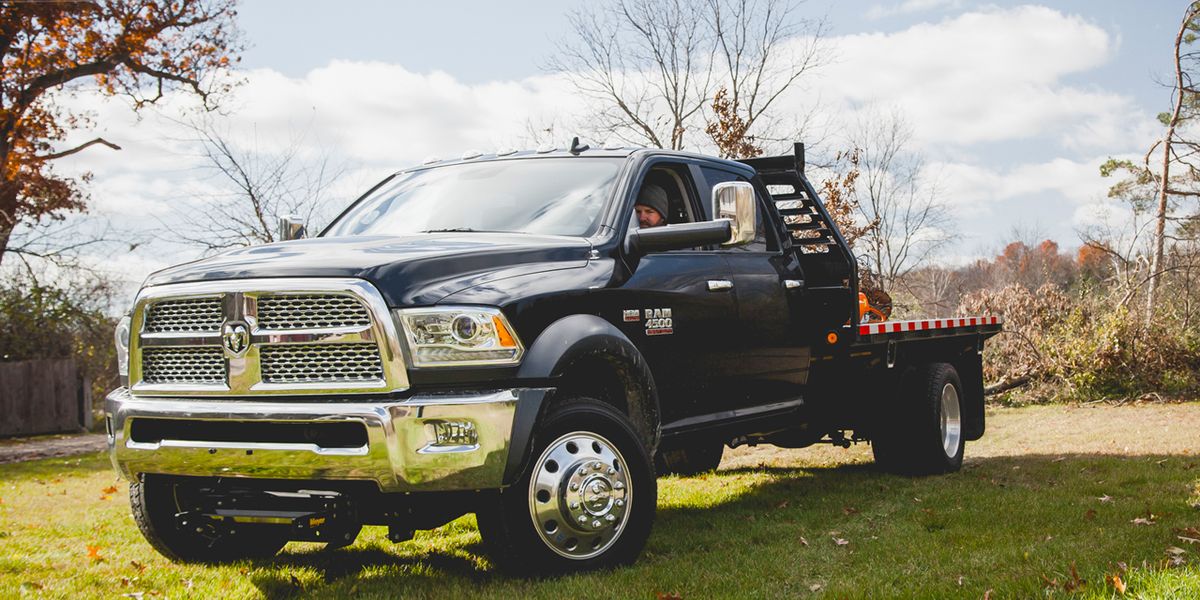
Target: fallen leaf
1142,521
93,553
960,580
668,596
839,541
987,595
1105,498
1059,459
1184,539
849,510
783,504
1049,583
1122,567
1090,514
1076,582
110,490
137,565
1176,551
803,542
916,499
816,587
1115,581
103,497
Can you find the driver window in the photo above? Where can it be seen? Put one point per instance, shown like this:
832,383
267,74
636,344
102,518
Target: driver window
668,191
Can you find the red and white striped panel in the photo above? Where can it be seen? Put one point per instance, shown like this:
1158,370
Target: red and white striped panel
926,324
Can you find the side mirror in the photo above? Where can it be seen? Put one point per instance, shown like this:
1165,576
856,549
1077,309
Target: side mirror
734,200
291,227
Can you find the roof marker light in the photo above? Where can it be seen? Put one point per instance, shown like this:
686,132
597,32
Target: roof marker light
544,148
506,151
429,160
469,154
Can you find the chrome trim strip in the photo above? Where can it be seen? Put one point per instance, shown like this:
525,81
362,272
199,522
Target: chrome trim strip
399,455
240,298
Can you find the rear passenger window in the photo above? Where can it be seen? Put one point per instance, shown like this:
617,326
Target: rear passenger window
763,240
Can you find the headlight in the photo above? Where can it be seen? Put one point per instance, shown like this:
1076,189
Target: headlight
459,335
121,339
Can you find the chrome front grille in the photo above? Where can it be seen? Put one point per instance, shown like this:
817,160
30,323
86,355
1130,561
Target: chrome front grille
320,363
187,315
183,365
265,336
311,311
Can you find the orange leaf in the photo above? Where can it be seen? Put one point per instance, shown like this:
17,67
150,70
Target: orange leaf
110,490
849,510
1116,582
93,553
667,596
1090,514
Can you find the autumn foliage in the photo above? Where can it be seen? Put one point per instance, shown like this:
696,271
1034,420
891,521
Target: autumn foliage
137,49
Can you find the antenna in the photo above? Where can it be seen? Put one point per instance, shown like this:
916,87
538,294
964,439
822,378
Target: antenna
577,147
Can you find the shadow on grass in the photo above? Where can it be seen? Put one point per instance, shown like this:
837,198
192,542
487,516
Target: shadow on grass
1033,515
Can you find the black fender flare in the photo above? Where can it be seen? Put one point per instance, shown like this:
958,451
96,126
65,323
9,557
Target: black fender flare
563,344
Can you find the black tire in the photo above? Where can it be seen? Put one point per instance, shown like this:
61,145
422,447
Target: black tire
920,438
532,528
693,459
155,504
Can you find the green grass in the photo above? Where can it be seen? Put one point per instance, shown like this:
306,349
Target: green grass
1026,507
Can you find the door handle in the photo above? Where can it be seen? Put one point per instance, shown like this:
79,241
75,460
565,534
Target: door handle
719,285
792,284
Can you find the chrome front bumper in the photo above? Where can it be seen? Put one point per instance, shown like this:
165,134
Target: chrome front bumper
400,453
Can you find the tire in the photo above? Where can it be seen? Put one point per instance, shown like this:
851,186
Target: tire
693,459
586,502
155,504
925,433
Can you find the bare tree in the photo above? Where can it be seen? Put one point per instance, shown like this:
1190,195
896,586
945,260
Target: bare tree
895,192
652,67
257,187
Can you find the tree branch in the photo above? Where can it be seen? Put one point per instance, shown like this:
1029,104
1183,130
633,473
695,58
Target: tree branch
78,148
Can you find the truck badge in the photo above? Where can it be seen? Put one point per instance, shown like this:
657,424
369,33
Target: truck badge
235,339
659,321
632,315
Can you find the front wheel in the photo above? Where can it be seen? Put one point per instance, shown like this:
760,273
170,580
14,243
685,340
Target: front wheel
926,434
587,501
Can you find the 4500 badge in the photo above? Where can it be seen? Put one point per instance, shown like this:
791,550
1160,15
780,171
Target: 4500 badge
658,320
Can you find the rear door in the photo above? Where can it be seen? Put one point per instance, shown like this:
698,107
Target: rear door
773,358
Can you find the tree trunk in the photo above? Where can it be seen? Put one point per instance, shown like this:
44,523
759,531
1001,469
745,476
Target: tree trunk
1164,184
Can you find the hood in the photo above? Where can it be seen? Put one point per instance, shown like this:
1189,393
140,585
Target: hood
409,270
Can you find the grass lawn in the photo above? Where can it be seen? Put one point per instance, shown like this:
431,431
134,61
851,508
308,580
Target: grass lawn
1050,503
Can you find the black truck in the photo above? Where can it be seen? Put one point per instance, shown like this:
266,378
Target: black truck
498,335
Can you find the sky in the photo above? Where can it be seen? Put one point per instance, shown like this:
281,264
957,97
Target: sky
1013,106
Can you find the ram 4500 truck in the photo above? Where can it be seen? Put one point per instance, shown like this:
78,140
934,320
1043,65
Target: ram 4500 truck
497,335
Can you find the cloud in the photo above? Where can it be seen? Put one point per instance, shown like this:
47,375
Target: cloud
986,76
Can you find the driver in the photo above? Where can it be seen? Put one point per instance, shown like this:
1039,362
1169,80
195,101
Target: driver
651,206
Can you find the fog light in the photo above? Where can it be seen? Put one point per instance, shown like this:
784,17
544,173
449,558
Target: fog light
452,436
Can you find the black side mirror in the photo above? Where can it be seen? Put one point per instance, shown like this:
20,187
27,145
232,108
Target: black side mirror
679,237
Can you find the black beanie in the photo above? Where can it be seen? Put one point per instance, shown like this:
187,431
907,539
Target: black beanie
655,197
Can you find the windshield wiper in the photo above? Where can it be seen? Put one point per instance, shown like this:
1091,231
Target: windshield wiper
468,230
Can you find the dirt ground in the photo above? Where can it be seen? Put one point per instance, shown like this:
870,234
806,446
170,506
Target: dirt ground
1129,430
49,446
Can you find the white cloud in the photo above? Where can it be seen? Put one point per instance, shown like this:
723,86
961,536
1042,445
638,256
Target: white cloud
990,75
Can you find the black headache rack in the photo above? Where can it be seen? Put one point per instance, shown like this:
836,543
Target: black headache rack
830,270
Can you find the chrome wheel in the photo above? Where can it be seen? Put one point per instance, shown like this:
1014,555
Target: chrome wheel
579,495
951,421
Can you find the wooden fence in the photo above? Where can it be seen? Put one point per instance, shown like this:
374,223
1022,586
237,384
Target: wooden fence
43,396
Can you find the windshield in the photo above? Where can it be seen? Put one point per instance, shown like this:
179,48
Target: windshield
555,196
